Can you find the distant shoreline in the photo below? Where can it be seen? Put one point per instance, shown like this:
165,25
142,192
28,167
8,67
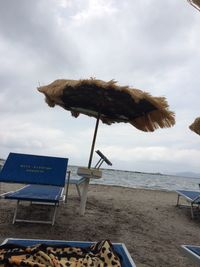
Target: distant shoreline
181,174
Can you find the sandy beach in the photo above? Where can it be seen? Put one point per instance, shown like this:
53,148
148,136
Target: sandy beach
147,221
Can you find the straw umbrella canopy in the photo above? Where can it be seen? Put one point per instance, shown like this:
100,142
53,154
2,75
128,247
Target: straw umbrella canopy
195,126
195,3
109,103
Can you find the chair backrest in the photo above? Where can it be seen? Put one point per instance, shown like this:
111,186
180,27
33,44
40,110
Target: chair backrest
33,169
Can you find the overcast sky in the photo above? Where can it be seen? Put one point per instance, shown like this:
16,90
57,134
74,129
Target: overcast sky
151,45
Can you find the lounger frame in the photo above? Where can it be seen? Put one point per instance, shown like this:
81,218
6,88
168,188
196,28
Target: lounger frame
58,186
187,250
192,197
51,203
127,260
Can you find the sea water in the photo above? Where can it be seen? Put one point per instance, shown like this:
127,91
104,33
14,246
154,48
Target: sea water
142,180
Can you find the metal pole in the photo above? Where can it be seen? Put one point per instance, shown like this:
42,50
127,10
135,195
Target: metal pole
93,141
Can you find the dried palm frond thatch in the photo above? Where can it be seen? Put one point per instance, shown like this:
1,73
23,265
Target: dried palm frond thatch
195,3
195,126
110,102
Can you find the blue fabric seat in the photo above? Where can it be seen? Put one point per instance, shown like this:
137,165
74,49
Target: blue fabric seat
41,193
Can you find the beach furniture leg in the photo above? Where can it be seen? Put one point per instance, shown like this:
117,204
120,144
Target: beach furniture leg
15,213
67,188
78,190
192,212
51,221
54,214
177,204
84,196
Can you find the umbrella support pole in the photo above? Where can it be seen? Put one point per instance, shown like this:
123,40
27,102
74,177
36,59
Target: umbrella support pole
93,141
84,196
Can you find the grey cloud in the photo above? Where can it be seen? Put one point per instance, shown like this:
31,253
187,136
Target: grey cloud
151,45
32,25
137,37
34,50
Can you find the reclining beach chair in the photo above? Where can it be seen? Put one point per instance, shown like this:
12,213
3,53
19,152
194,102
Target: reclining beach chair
192,252
44,178
111,251
193,197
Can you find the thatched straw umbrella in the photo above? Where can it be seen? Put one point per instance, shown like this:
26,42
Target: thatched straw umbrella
195,3
110,103
195,126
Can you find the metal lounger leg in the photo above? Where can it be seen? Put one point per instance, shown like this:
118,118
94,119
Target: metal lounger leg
67,189
78,190
54,214
177,204
15,213
192,212
34,221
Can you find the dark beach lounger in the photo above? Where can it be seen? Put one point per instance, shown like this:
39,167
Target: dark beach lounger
193,197
192,252
120,248
45,178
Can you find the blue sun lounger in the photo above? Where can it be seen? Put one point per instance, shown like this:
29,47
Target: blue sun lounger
193,197
44,178
192,252
120,248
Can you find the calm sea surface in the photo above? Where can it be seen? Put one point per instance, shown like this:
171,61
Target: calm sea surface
142,180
